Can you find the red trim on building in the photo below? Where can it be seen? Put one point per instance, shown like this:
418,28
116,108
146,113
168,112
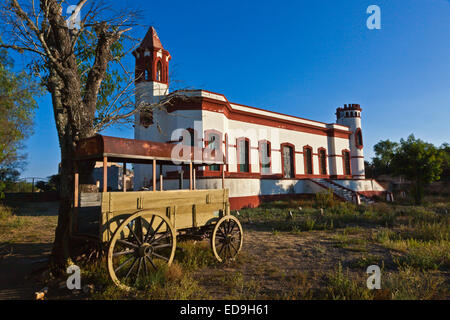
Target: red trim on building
357,144
305,167
287,144
238,153
320,162
213,153
349,175
260,142
209,104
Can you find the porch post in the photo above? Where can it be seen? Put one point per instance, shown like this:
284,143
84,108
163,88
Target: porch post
154,174
75,191
190,175
124,174
105,174
223,176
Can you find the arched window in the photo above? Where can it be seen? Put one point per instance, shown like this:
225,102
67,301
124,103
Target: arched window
213,142
323,161
307,157
148,76
243,154
159,71
358,138
346,163
287,160
264,156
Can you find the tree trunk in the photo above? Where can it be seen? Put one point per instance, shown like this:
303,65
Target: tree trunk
72,124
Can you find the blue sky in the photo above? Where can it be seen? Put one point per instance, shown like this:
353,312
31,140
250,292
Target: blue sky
304,58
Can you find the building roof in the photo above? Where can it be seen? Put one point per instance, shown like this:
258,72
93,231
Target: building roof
276,116
151,40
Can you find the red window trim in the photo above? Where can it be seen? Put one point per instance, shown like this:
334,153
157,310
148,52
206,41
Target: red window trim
359,146
320,162
206,139
305,163
343,163
287,144
249,155
260,142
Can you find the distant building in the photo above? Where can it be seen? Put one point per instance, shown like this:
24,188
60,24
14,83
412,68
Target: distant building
115,180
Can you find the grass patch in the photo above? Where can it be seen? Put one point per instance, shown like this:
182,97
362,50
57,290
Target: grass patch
193,255
9,221
339,286
409,284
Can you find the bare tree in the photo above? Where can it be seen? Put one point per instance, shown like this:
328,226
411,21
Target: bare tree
72,58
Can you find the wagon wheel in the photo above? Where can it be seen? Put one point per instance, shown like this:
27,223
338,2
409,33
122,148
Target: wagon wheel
227,238
143,242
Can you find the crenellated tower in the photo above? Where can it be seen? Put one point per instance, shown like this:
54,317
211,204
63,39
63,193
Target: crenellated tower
350,115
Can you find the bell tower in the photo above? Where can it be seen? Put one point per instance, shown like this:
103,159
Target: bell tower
151,74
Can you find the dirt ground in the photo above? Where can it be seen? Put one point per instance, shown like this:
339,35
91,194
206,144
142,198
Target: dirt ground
24,250
271,261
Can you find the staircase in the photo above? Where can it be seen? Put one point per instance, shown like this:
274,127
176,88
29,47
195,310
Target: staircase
342,192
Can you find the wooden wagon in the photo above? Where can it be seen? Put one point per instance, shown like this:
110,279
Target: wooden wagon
140,228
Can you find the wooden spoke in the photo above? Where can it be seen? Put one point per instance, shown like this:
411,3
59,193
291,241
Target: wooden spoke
154,232
123,265
162,246
160,256
149,227
131,268
127,243
121,253
155,241
227,238
134,234
145,267
151,262
139,270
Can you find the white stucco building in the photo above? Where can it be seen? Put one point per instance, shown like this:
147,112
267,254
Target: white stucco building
268,154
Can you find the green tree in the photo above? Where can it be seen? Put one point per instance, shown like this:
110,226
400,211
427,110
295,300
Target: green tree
445,149
18,94
384,154
81,68
419,162
51,185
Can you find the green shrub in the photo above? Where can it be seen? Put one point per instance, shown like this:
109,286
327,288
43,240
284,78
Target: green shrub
410,284
341,287
324,199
